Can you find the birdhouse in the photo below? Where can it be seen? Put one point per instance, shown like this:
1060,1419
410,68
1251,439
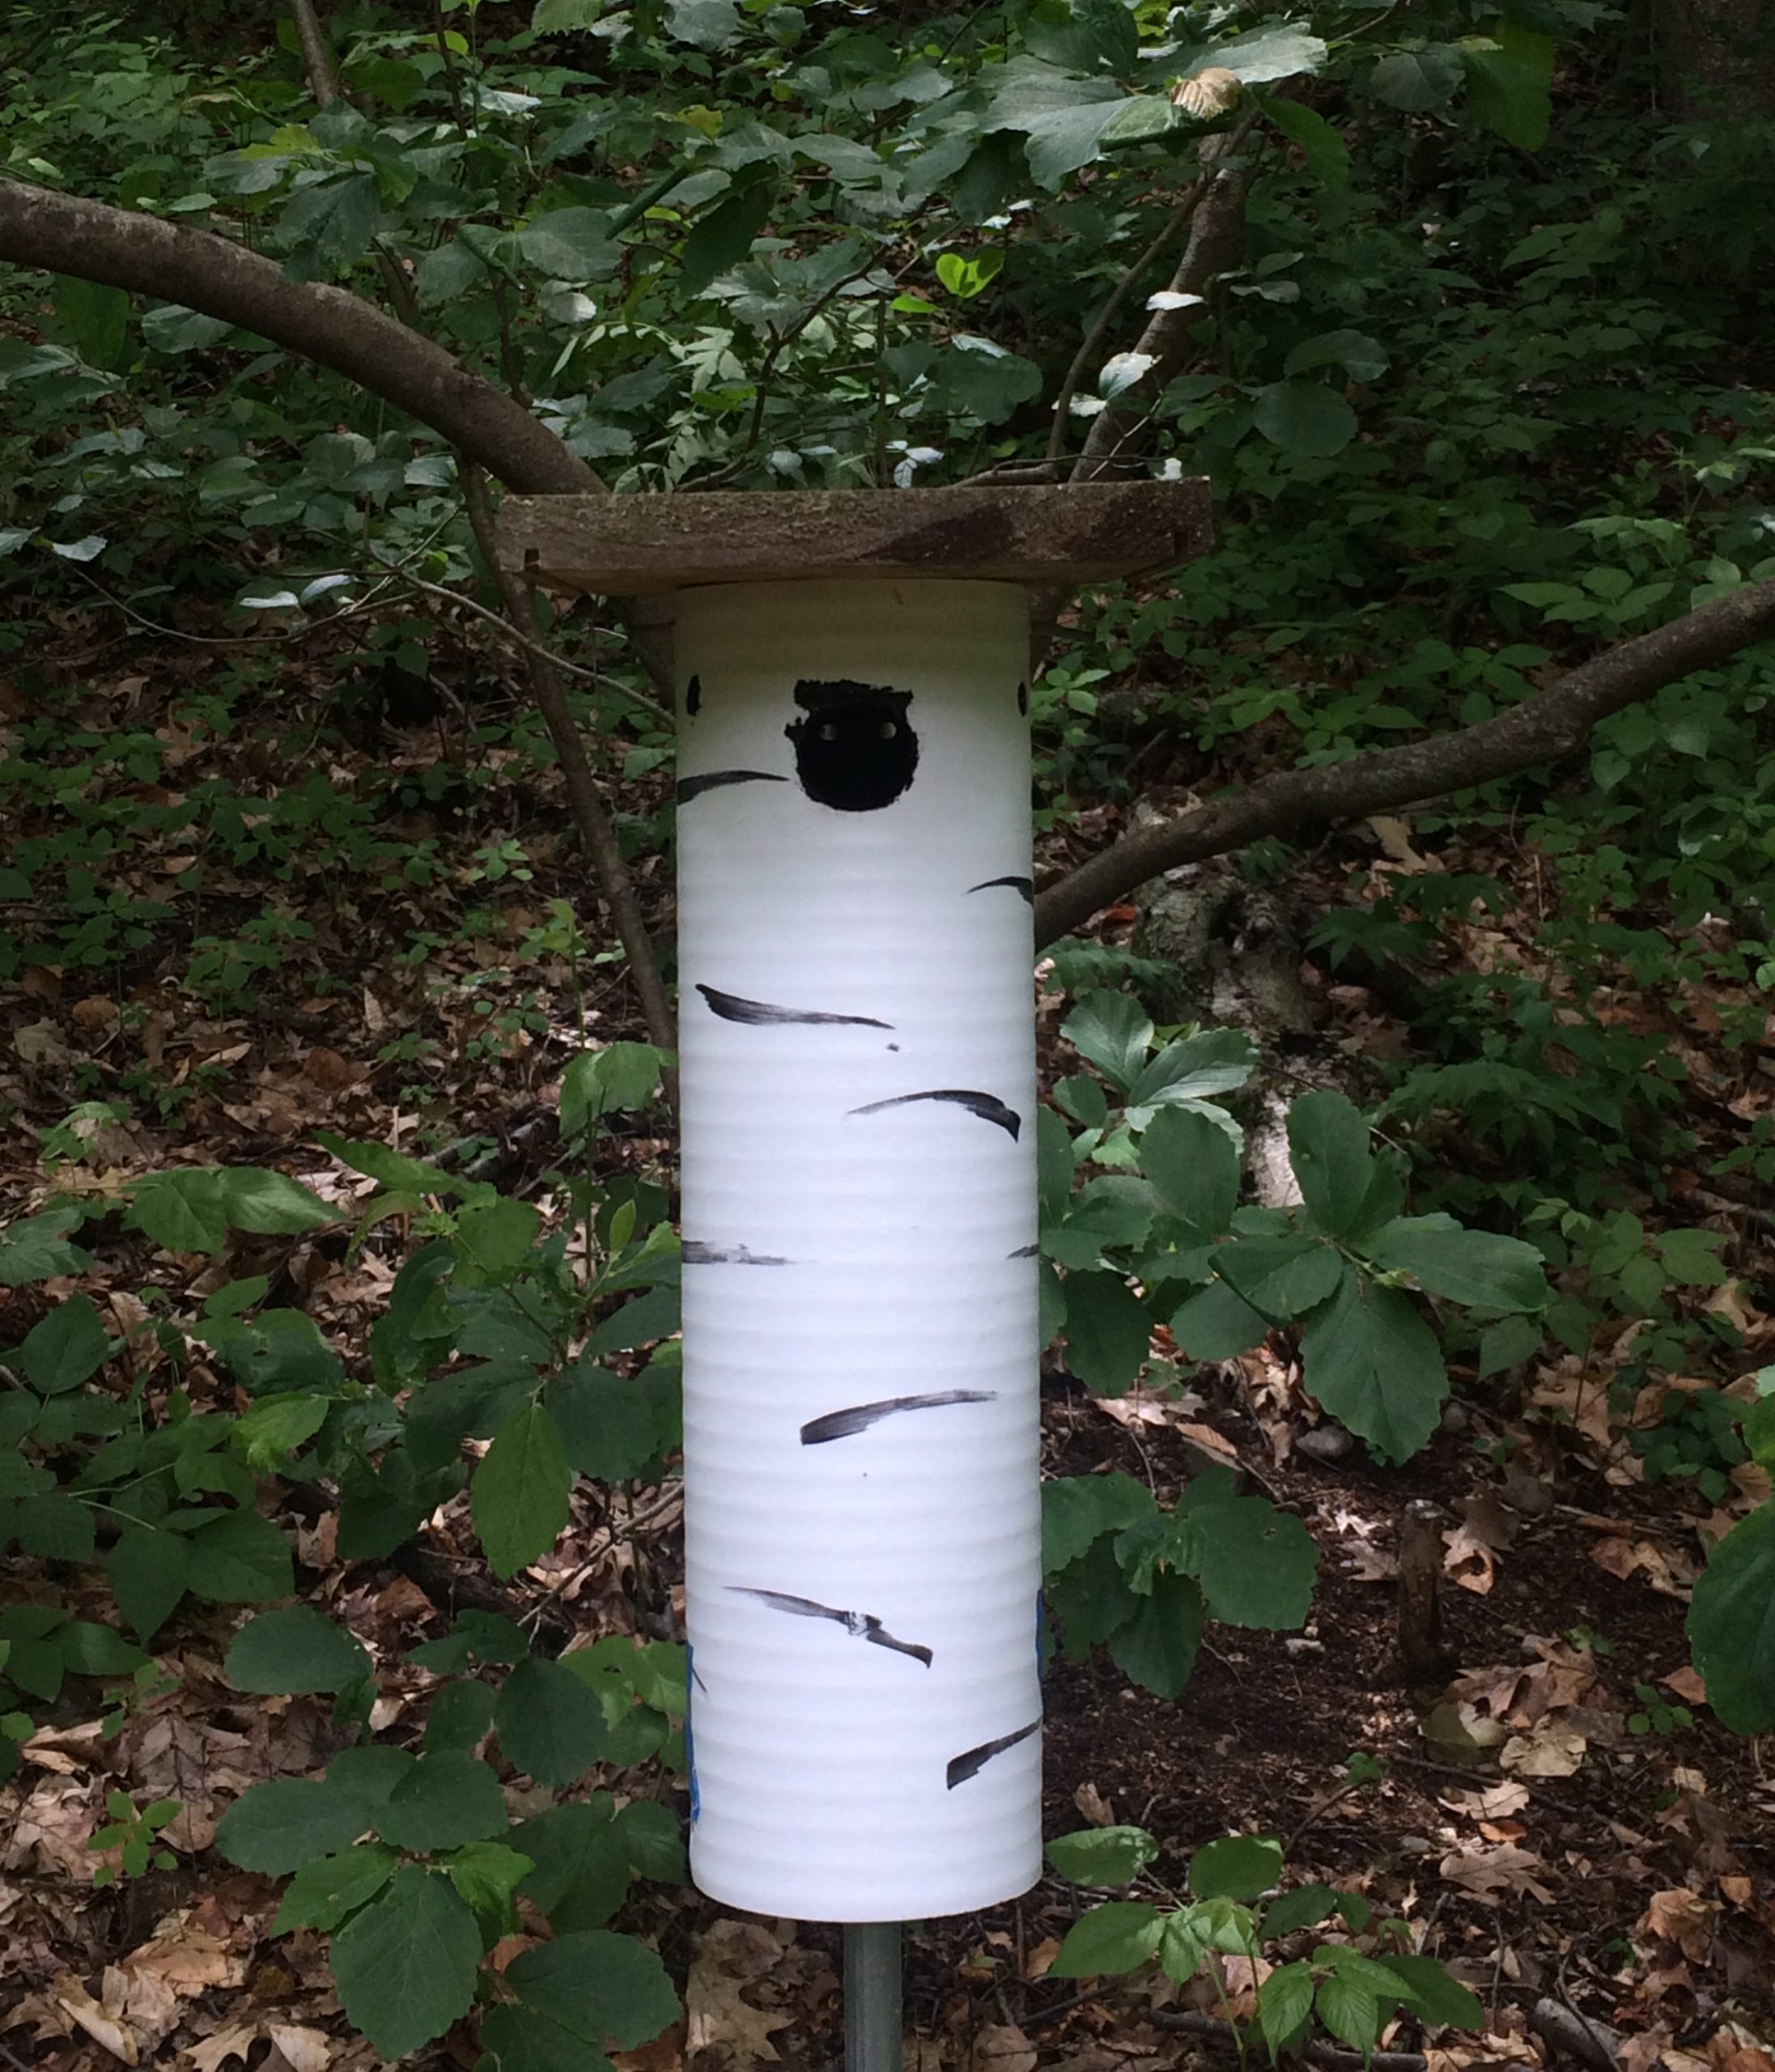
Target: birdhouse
858,1112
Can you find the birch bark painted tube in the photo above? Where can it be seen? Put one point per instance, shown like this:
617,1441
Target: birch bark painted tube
860,1332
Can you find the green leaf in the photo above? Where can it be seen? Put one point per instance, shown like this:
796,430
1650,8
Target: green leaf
476,1636
459,1714
1437,1997
1063,117
1364,357
516,2039
1467,1266
447,1799
649,1316
97,318
653,1836
1327,155
1079,1509
1281,52
240,1558
561,17
278,1350
1215,1323
583,1871
598,1986
394,1169
254,1198
322,1893
1371,1360
1107,1331
1194,1167
550,1722
328,225
53,1527
571,244
597,1082
1157,1646
279,1826
90,1650
68,1348
1504,1344
267,1434
35,1249
182,1211
1212,1061
405,1965
1304,418
610,1424
171,328
1328,1147
723,236
1256,1564
1112,1031
1732,1624
1281,1278
1116,1937
1350,2011
493,1240
1055,1162
1236,1868
488,1875
298,1648
1509,75
1417,80
520,1496
149,1572
708,24
1102,1856
1284,2004
1305,1907
984,380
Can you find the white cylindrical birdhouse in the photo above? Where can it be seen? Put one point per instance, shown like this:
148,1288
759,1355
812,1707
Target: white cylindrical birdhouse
858,1095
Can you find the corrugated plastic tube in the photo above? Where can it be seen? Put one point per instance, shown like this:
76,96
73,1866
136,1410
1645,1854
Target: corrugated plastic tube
860,1304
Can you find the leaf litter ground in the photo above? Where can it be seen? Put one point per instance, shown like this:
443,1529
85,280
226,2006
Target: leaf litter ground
1537,1843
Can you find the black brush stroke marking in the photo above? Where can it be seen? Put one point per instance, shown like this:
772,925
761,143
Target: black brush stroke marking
693,787
693,697
862,1625
696,1253
1025,1252
971,1763
761,1014
1023,887
1023,699
987,1106
846,1424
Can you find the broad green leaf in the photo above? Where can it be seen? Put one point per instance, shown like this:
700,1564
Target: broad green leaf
1116,1937
90,1650
364,1777
1102,1856
649,1316
240,1558
1417,80
609,1424
447,1799
1328,1146
1107,1331
1304,418
1510,73
1327,155
1078,1508
1504,1344
1157,1646
296,1649
986,382
1056,1162
279,1826
583,1871
1364,357
1256,1564
596,1082
723,236
520,1495
268,1433
1350,2011
1467,1266
329,225
514,2038
1194,1168
254,1198
1284,2004
1437,1997
561,17
149,1572
488,1875
36,1248
1281,1278
1732,1624
53,1527
1062,116
476,1636
405,1965
183,1211
171,328
278,1351
571,244
1305,1907
1212,1061
1280,52
1370,1359
1114,1032
68,1348
597,1985
322,1893
708,24
1236,1868
493,1240
653,1836
97,317
459,1714
394,1169
1215,1323
549,1722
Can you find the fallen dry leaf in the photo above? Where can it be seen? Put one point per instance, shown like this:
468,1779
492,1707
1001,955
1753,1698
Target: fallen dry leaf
1687,1683
1683,1917
307,2050
1488,1873
1551,1751
1001,2050
732,1955
186,1958
1495,1802
217,2049
1486,1531
1095,1808
111,2034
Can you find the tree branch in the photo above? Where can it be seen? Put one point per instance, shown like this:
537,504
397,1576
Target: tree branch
1542,728
125,248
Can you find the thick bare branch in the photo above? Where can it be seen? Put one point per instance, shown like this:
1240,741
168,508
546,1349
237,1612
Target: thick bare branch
1542,728
123,248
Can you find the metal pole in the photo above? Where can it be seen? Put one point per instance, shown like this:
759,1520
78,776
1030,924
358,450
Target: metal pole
871,1996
